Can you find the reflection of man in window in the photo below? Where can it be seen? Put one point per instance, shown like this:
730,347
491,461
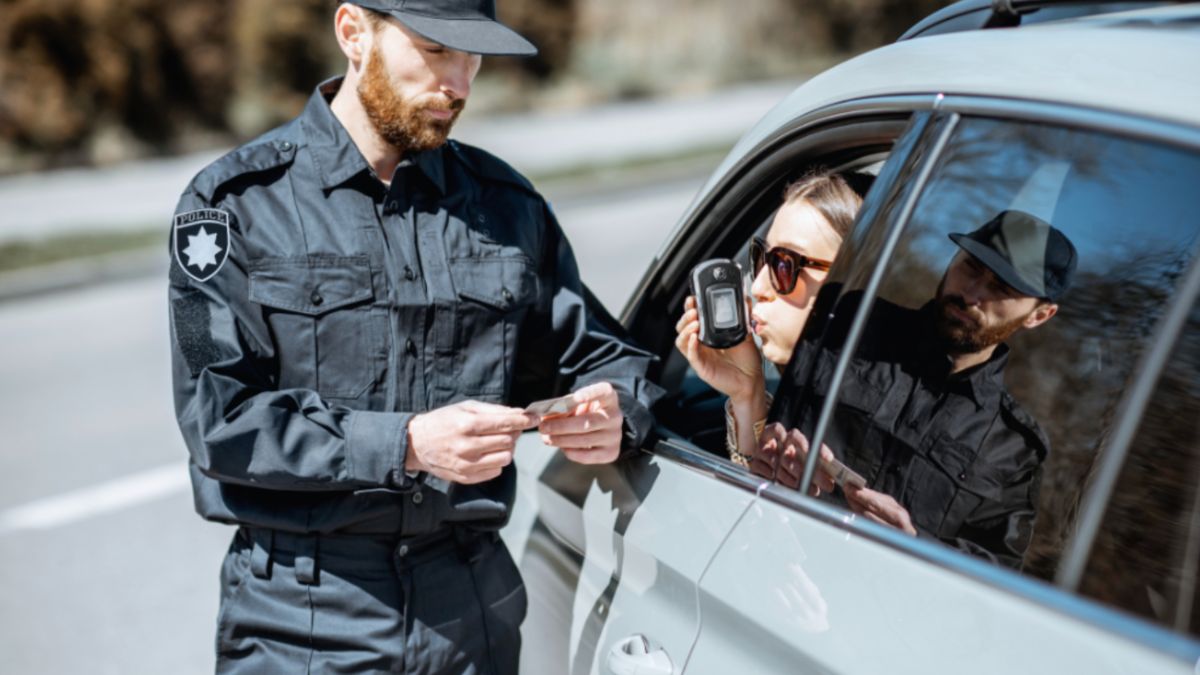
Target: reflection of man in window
923,413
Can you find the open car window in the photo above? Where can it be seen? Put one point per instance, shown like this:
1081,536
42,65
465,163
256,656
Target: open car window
693,410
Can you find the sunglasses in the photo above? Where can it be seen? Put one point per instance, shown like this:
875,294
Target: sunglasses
783,264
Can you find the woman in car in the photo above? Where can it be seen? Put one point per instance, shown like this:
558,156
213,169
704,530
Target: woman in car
789,265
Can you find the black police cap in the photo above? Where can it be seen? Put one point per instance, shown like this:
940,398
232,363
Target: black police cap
465,25
1026,252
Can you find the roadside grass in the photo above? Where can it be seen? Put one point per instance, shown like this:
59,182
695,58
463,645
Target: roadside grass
27,254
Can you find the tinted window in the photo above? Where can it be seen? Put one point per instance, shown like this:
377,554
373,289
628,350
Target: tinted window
1146,555
921,434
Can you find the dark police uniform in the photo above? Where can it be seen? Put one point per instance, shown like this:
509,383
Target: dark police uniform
956,450
314,312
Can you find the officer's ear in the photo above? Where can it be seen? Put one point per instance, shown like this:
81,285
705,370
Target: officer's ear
1040,314
355,30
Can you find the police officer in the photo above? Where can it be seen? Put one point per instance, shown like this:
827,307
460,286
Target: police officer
356,302
923,414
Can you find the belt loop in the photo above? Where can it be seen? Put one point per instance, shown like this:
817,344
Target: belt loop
261,556
306,560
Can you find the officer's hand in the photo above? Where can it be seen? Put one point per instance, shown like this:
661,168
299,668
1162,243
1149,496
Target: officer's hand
781,454
879,507
468,442
591,434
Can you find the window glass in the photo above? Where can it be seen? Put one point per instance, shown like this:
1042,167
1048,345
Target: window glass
975,420
1146,554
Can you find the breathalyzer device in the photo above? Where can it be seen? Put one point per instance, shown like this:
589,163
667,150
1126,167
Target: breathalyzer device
717,286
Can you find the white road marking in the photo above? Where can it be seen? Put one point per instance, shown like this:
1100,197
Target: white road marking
96,500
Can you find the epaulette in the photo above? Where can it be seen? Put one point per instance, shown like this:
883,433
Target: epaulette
488,166
1021,417
259,155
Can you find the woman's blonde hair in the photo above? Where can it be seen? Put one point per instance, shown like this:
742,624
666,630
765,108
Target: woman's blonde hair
830,194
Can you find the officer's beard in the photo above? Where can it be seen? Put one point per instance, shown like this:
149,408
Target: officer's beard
960,337
400,122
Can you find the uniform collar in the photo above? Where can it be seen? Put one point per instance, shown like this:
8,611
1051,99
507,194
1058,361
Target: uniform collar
336,156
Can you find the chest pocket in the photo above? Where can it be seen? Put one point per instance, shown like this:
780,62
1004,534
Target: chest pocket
328,335
945,484
494,294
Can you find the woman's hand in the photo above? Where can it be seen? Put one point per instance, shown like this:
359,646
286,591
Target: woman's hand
735,372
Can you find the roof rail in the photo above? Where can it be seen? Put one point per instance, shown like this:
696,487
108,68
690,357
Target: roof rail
967,15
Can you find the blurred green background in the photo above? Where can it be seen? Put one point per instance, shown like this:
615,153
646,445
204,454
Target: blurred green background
92,82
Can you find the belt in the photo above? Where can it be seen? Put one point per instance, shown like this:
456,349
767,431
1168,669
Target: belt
335,552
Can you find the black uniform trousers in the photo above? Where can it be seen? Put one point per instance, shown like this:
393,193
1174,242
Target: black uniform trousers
446,603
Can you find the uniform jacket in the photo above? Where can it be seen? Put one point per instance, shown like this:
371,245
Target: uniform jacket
957,450
314,310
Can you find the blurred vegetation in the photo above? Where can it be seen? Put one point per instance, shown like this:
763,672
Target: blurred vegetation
96,81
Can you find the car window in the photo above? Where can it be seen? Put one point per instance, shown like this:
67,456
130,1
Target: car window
695,410
992,459
1146,554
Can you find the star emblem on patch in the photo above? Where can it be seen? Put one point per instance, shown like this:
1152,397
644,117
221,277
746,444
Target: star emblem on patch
201,242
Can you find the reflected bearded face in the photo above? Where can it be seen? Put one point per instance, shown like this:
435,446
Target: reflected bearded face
405,123
965,329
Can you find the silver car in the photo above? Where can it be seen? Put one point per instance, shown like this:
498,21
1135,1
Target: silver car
676,560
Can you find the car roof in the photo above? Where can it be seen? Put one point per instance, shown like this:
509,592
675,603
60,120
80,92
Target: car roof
1129,62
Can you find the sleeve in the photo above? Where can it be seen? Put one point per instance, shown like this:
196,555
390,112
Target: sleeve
240,428
590,344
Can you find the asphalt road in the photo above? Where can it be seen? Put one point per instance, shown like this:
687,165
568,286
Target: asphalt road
104,567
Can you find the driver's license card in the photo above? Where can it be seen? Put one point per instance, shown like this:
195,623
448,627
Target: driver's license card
843,474
548,409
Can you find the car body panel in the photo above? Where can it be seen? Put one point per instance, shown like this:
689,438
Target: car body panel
643,551
839,602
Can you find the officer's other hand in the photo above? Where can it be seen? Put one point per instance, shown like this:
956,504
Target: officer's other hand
735,372
781,454
879,507
468,442
591,433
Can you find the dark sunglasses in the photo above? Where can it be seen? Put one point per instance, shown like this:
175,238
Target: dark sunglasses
783,264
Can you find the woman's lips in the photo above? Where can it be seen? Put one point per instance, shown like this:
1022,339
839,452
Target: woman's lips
756,325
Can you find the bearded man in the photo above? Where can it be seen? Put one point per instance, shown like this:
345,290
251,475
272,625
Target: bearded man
357,304
923,414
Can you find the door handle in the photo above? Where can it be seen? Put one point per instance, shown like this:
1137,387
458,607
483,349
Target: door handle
632,656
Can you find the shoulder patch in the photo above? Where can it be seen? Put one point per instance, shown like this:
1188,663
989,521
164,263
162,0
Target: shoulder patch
486,165
252,158
200,242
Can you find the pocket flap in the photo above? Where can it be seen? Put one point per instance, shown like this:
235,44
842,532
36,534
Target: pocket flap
312,285
958,462
501,283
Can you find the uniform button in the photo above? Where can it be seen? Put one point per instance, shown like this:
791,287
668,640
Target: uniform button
285,146
506,294
481,219
402,551
418,497
410,346
316,297
409,273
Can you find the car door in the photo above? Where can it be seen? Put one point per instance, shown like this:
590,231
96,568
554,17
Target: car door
804,585
612,555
